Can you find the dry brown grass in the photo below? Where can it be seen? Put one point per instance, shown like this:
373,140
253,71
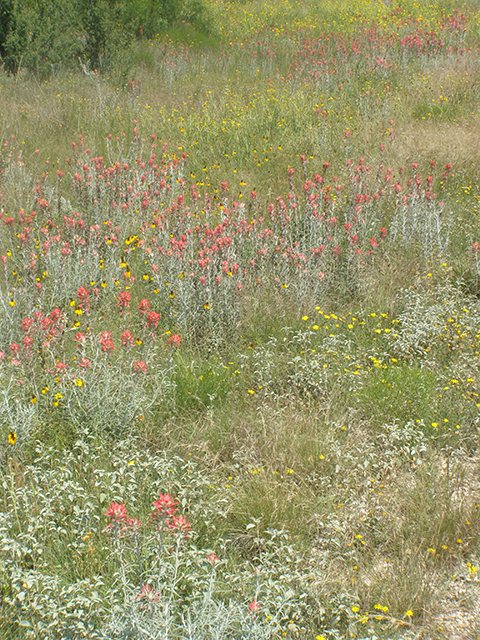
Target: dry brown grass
452,133
455,142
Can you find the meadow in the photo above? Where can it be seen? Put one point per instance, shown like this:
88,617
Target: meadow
240,330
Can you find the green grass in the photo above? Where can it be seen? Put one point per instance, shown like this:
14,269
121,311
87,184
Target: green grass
403,392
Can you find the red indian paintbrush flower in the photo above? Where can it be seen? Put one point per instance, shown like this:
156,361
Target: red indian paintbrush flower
179,524
165,505
117,515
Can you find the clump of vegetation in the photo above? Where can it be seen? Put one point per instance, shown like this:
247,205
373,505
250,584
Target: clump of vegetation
43,35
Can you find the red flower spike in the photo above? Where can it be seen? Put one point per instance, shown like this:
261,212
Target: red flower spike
253,606
116,513
179,524
165,506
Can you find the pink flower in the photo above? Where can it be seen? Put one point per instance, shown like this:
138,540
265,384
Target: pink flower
253,606
85,363
179,524
80,338
144,306
127,338
165,504
26,324
164,507
84,297
174,340
116,513
106,342
55,315
148,596
212,558
153,318
124,300
140,366
133,525
119,520
148,593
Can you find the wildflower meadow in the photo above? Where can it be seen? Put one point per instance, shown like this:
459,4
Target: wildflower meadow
240,320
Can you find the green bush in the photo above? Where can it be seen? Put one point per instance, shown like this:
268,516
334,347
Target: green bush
38,34
41,34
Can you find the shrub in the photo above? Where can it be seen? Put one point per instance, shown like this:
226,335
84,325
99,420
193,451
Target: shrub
151,579
41,34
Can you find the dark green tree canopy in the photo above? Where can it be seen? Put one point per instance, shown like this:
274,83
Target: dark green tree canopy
38,34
